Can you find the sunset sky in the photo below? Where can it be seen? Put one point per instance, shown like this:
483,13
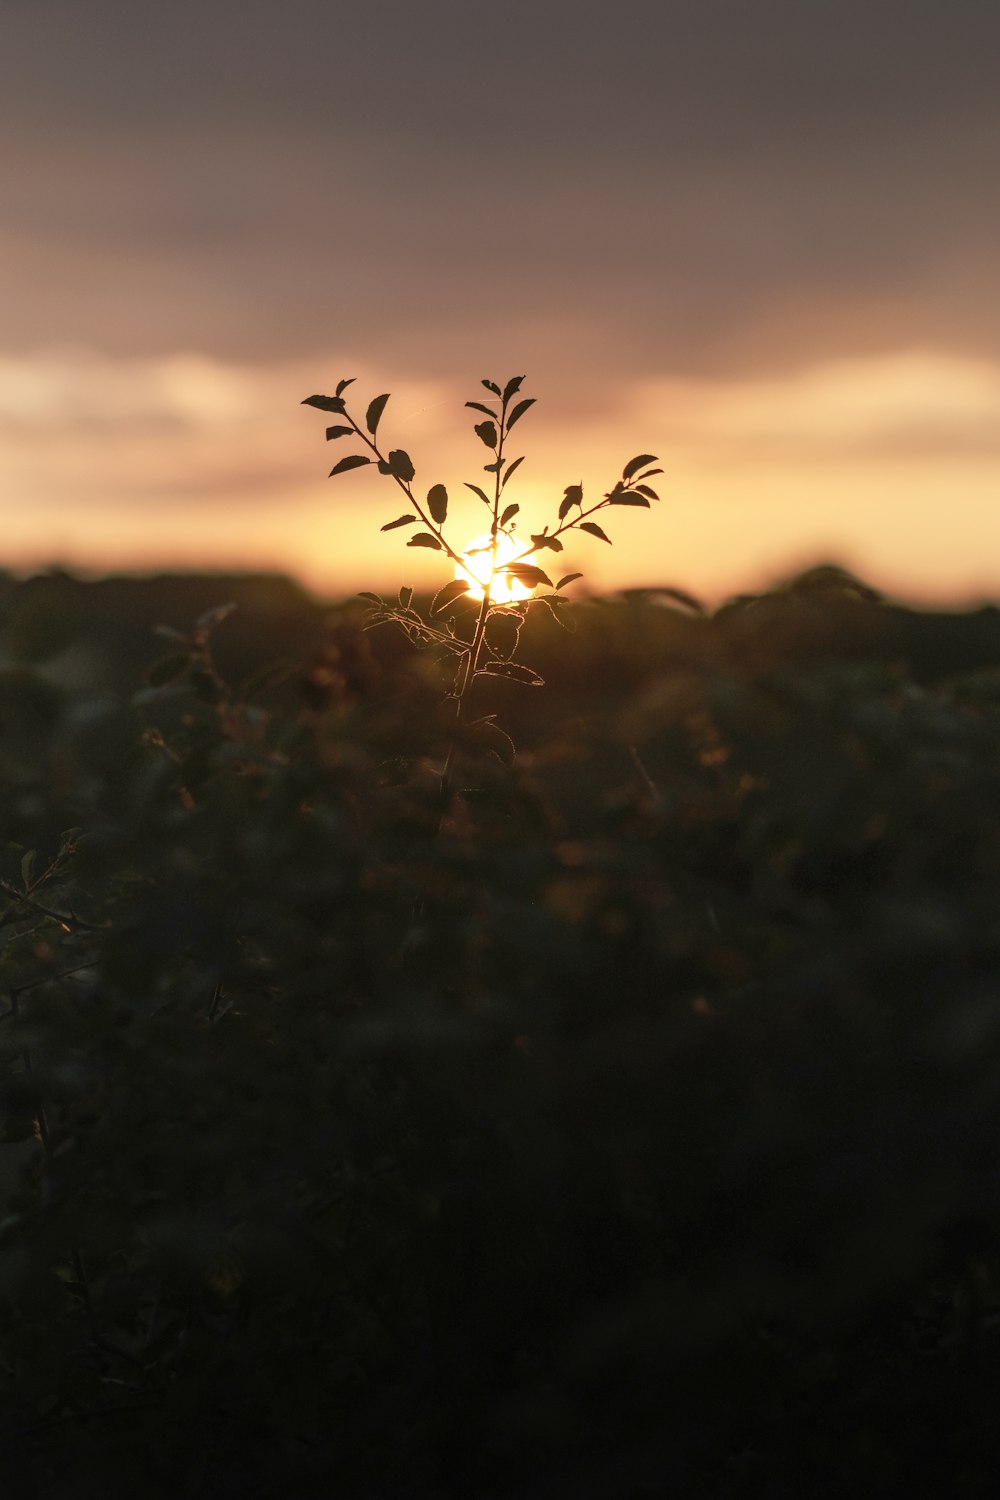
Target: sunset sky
761,240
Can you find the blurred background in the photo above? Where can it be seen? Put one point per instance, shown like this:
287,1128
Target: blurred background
760,241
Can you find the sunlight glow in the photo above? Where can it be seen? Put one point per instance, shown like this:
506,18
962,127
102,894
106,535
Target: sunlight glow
476,567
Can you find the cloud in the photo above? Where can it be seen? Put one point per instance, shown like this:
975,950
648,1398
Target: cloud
838,411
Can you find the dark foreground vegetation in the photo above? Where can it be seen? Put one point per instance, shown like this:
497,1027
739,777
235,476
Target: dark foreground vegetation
635,1133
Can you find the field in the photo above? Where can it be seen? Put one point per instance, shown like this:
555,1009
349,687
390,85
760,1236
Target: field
632,1129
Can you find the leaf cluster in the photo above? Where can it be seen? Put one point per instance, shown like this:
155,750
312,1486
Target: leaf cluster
473,650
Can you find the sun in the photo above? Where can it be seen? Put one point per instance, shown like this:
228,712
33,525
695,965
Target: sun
477,563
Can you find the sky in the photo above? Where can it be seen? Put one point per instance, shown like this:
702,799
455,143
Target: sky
761,241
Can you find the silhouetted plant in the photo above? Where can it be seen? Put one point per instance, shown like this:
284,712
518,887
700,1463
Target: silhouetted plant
495,573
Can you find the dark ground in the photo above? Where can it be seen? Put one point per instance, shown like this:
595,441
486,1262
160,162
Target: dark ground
636,1134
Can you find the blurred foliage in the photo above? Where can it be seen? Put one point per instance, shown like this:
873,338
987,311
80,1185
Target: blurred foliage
634,1134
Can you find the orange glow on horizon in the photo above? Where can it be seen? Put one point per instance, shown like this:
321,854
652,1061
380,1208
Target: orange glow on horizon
889,465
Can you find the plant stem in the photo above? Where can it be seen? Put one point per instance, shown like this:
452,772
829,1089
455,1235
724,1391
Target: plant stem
471,663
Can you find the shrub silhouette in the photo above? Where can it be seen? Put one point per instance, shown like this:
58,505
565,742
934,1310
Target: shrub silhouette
631,1143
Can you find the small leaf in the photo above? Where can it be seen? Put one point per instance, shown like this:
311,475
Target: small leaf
424,539
569,578
399,521
353,461
214,616
487,432
336,432
400,465
562,616
649,473
528,574
167,669
635,464
405,597
491,737
572,495
551,542
502,631
515,463
509,513
437,503
491,385
493,468
372,598
477,491
514,671
644,489
627,497
28,864
519,411
325,403
594,530
374,412
478,406
512,387
451,591
343,384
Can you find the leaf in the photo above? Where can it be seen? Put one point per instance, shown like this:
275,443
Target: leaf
372,598
451,591
167,669
374,412
502,631
325,403
527,574
639,462
490,736
336,432
28,867
514,464
405,597
214,616
424,539
594,530
569,578
399,521
628,497
519,411
353,461
487,432
551,542
477,491
437,503
343,384
649,473
572,495
400,465
563,617
514,671
493,468
478,406
644,489
509,513
491,385
512,387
